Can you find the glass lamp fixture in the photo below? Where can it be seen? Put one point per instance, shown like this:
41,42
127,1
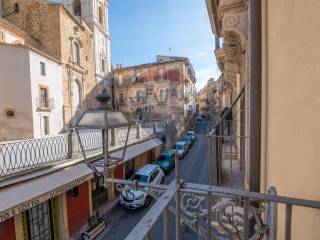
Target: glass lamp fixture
104,118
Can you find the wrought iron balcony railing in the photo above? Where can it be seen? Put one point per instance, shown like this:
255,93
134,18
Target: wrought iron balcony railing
17,157
44,103
212,212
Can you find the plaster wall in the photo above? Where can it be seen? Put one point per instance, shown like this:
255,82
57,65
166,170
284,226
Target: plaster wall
290,104
53,82
15,94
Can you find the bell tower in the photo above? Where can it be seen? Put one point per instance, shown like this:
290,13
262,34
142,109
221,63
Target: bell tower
96,14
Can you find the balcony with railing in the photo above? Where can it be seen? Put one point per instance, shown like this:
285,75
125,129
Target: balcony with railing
221,209
44,104
25,156
138,100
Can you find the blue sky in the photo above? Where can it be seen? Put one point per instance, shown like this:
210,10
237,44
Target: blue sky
141,29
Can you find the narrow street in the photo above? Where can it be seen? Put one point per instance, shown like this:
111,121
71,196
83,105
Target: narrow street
194,168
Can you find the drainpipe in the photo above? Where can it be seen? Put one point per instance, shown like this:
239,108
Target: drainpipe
255,95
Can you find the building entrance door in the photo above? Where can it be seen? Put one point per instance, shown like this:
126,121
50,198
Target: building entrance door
39,222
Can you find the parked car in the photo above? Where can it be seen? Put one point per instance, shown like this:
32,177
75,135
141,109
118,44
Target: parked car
150,173
187,139
166,160
192,134
199,118
181,149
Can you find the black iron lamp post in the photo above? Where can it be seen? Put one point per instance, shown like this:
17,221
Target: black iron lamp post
104,118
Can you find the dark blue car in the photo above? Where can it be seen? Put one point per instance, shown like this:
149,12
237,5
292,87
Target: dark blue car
187,139
166,160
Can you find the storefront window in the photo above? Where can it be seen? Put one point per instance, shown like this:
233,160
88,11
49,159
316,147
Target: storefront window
129,165
41,221
99,193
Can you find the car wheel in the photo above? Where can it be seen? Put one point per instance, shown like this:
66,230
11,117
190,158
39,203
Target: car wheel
147,202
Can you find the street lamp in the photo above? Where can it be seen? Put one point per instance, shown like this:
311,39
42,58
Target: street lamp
104,118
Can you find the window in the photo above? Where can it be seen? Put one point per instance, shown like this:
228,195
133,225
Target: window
10,113
44,97
77,8
121,98
100,14
162,95
45,121
39,221
75,53
16,7
120,80
42,68
139,95
103,65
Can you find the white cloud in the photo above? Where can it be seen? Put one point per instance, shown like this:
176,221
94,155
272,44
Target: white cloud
200,54
203,76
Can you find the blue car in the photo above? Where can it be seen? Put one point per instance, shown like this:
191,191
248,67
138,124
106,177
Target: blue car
188,140
166,160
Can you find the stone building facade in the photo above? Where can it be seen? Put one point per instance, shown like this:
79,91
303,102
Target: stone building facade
163,90
95,13
10,34
209,98
229,22
64,37
284,44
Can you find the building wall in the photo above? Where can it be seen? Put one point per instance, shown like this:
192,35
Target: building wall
56,29
177,85
40,20
78,209
15,92
290,140
7,230
53,82
82,74
89,11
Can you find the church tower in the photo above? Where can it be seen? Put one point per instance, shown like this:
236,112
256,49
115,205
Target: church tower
95,14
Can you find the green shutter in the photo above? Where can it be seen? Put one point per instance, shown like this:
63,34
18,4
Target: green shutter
25,226
54,218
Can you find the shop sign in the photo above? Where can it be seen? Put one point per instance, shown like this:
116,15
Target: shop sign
34,202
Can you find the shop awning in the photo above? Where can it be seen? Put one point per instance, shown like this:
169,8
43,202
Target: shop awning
131,152
20,197
137,149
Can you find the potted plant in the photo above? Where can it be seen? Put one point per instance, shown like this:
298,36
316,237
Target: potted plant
96,225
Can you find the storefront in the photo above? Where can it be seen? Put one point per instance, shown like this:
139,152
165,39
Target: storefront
99,193
51,206
41,221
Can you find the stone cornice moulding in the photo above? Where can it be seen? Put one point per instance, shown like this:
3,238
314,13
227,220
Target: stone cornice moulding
232,6
236,24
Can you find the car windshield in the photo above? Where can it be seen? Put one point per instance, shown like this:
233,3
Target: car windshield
179,147
140,178
161,158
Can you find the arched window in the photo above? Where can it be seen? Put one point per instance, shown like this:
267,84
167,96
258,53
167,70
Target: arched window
77,8
75,53
100,14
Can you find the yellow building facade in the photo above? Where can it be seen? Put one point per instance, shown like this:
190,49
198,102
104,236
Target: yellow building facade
287,142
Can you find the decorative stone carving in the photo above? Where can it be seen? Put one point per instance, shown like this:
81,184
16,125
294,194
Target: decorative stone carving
231,21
